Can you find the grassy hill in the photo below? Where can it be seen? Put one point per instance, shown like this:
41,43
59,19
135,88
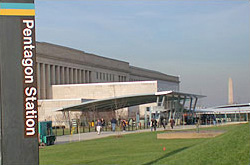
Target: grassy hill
231,147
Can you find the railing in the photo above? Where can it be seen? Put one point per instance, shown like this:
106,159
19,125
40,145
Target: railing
62,130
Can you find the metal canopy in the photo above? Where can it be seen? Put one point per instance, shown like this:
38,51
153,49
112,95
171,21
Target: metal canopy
126,101
226,109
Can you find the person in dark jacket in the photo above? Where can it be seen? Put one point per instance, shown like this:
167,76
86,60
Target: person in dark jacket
124,124
153,124
172,122
103,124
163,122
113,124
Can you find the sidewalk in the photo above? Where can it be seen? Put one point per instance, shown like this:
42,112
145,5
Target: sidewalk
94,135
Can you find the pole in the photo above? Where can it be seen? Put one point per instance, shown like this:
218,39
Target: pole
18,130
182,110
79,133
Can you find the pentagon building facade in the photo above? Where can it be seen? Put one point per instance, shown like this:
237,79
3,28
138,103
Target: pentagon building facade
58,65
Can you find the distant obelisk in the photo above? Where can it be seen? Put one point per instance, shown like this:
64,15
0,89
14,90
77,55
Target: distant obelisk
230,91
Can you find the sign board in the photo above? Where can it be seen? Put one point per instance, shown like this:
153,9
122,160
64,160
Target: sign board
158,109
74,123
18,86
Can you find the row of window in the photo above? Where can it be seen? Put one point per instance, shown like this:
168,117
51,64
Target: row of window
62,75
105,76
121,78
132,79
109,77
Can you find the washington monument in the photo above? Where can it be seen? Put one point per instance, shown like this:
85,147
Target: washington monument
230,91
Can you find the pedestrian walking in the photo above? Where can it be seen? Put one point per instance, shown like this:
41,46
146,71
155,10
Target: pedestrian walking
124,125
172,122
153,124
214,120
164,123
113,124
98,126
103,124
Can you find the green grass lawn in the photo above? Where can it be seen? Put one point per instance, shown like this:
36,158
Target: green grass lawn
231,147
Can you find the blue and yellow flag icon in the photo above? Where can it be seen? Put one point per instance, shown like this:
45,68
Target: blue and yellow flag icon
17,9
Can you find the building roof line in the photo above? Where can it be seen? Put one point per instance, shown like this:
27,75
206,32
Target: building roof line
109,83
79,51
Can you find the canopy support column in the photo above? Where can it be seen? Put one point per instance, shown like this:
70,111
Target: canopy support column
195,102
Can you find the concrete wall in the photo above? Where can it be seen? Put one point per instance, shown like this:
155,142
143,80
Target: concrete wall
47,109
67,95
167,86
103,90
143,107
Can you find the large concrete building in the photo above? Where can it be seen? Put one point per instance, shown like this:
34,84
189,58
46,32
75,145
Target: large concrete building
57,65
67,76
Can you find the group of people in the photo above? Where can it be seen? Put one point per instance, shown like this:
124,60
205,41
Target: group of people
101,124
114,121
153,123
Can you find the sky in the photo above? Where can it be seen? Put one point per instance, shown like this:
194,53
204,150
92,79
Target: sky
204,42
